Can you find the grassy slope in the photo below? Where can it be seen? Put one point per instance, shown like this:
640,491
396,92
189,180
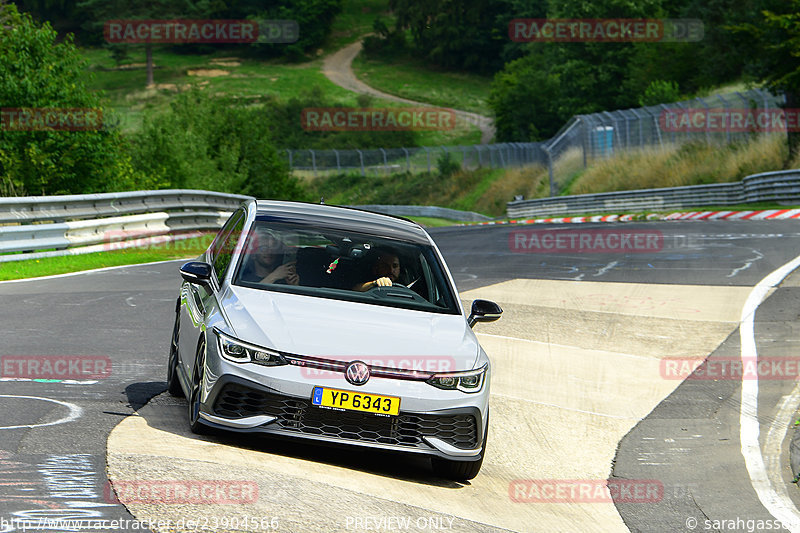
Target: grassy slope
413,79
487,191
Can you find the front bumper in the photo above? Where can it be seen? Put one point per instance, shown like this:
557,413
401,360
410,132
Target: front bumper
238,404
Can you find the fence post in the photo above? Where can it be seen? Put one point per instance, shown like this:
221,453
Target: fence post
708,110
385,161
338,165
313,162
728,121
291,165
428,153
408,160
361,158
550,170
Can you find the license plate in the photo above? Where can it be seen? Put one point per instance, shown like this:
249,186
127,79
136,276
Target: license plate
356,401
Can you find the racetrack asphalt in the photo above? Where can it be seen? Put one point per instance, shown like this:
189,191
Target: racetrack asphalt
577,390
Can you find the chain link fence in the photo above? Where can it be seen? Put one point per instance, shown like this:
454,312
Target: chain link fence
710,119
583,139
384,161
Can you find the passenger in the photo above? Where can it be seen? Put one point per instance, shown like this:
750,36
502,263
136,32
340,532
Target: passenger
386,271
266,260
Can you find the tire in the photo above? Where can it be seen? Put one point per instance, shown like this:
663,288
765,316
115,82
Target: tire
195,424
173,383
460,470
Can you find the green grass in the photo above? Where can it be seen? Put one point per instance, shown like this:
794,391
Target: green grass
128,99
34,268
433,222
355,21
414,79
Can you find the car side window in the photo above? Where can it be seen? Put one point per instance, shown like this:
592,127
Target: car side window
225,245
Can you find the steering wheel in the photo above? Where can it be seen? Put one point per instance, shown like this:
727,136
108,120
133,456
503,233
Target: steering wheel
394,284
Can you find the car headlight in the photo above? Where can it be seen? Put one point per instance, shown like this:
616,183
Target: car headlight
241,352
470,381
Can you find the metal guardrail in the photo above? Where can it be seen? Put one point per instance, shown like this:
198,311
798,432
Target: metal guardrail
28,209
74,224
765,187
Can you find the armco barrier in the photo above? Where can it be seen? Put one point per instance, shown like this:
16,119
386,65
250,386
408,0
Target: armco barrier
67,225
29,209
783,186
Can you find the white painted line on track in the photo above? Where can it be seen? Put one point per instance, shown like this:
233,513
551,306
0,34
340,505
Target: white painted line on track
777,503
75,412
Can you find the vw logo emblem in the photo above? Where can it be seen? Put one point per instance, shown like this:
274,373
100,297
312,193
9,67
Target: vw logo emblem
357,373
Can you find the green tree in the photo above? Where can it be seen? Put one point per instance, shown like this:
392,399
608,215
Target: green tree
532,97
38,72
464,34
214,144
526,100
100,11
660,92
777,61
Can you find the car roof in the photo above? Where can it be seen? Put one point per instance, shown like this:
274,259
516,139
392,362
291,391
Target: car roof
344,218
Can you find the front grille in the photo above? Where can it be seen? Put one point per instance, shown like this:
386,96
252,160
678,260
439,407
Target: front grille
239,401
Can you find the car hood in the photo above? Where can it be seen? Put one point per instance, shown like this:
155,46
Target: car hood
347,331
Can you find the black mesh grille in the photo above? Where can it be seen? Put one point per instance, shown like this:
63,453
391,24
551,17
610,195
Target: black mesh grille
238,401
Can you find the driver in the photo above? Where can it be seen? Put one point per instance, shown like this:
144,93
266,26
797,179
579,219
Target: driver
267,264
386,271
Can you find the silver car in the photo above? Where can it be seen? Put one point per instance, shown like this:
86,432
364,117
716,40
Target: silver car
336,325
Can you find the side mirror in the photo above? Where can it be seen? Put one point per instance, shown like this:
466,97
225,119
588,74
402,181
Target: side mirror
484,311
197,272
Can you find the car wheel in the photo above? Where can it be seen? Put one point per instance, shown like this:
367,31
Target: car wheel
460,470
194,393
173,383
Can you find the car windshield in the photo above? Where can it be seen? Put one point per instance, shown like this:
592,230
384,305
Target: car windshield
345,265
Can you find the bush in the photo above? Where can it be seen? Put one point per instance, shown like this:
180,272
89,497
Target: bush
37,72
447,165
214,144
660,92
